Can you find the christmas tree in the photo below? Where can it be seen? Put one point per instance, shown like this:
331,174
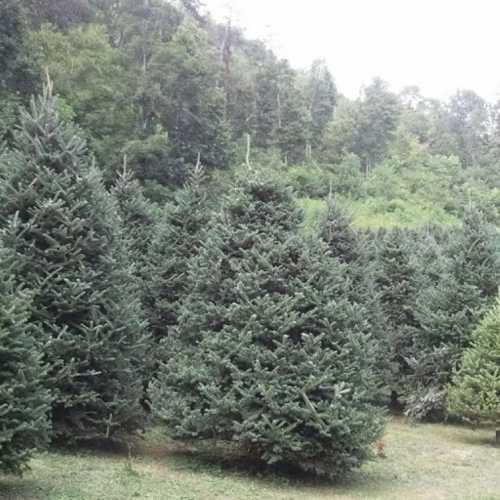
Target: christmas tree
177,238
270,352
63,226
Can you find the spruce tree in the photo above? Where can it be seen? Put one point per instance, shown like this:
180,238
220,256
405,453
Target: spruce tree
138,219
177,238
58,219
448,310
475,393
357,251
24,402
270,352
397,267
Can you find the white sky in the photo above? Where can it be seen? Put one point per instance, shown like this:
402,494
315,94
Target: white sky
439,45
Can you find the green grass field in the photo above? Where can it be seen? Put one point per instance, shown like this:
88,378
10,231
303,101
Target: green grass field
430,462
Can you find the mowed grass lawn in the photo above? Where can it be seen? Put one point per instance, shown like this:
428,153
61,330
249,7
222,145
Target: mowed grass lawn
426,461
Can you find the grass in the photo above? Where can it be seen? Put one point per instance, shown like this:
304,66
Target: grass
373,213
430,462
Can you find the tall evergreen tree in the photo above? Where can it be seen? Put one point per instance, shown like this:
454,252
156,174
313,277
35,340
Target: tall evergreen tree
294,129
269,352
57,217
322,98
356,250
177,238
24,401
397,267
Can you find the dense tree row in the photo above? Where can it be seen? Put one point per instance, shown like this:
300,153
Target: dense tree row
287,345
155,264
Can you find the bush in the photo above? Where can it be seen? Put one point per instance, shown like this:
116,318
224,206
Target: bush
269,352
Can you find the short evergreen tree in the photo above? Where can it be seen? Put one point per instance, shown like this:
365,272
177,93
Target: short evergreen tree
177,238
448,310
475,393
24,402
270,352
63,226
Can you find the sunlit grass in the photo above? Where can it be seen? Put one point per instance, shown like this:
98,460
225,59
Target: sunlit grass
374,214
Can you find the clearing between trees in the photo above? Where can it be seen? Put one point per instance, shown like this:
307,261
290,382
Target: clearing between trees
424,461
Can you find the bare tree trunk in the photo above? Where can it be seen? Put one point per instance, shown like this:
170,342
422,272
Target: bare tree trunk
497,437
279,109
247,156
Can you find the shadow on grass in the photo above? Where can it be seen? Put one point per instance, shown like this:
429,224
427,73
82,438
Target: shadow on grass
224,460
218,460
477,437
16,487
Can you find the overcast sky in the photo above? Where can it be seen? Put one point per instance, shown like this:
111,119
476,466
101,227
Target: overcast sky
439,45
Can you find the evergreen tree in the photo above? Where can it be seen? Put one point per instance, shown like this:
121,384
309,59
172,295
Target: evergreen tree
294,125
475,393
397,267
269,352
322,99
449,308
137,217
177,238
24,402
357,251
63,226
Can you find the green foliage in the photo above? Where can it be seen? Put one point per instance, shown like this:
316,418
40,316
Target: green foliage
192,105
137,216
475,393
308,181
364,127
322,96
177,238
91,77
356,250
398,263
15,67
63,227
449,307
270,352
24,402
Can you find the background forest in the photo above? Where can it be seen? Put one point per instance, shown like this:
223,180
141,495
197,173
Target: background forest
194,233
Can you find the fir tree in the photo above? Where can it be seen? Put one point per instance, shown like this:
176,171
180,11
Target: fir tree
63,226
448,310
177,238
356,250
397,267
138,220
269,351
24,402
475,394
